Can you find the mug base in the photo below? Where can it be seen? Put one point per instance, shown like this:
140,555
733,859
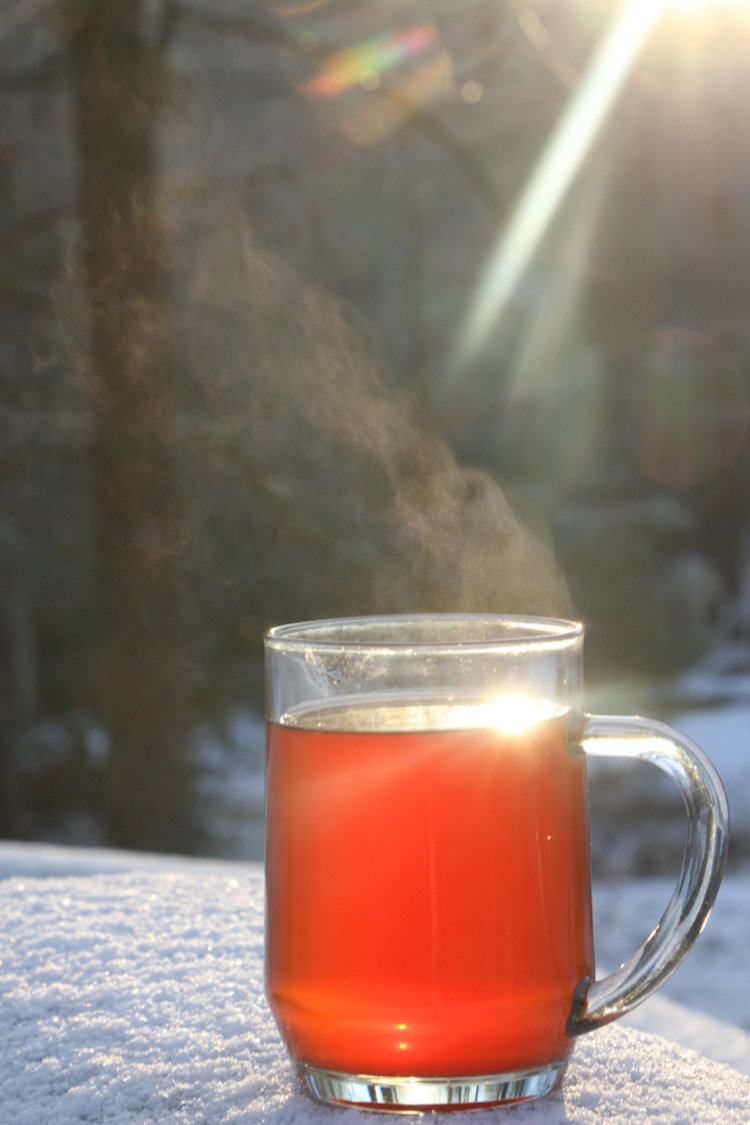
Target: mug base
416,1095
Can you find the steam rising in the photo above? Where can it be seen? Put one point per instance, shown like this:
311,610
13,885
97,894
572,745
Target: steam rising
349,502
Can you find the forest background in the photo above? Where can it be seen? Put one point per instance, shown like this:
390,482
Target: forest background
240,245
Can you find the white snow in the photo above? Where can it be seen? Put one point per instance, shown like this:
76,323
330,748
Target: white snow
705,1004
718,719
131,985
132,994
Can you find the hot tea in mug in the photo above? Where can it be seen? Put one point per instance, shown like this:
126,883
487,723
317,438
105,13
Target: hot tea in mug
428,931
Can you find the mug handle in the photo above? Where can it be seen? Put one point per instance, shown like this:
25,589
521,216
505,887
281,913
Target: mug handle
598,1002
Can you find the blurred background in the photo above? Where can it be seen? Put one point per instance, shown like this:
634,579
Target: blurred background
322,307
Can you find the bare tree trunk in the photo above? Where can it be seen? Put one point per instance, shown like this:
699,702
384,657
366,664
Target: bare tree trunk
140,675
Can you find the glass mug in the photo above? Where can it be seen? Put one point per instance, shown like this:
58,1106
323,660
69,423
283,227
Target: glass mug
429,940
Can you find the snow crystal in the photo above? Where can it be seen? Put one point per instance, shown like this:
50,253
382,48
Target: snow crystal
137,997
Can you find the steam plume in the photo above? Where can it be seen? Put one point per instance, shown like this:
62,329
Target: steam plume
353,504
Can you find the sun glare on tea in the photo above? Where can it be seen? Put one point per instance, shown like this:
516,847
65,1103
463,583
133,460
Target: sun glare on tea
514,714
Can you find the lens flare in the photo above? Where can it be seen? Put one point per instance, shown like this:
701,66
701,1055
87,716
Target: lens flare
364,63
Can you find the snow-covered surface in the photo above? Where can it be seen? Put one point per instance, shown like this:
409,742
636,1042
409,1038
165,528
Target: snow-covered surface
132,993
705,1004
131,985
230,765
710,703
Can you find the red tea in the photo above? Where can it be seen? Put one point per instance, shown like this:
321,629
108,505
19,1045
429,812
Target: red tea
428,906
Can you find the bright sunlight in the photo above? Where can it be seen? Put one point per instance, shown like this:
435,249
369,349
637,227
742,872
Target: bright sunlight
513,714
560,161
688,6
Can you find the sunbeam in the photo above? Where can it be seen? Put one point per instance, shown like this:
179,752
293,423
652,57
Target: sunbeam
558,165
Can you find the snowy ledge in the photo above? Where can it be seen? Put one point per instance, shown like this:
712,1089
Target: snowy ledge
135,996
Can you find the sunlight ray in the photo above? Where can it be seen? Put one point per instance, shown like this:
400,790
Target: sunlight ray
559,163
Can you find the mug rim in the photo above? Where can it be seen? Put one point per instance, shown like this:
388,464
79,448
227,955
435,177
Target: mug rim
347,632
